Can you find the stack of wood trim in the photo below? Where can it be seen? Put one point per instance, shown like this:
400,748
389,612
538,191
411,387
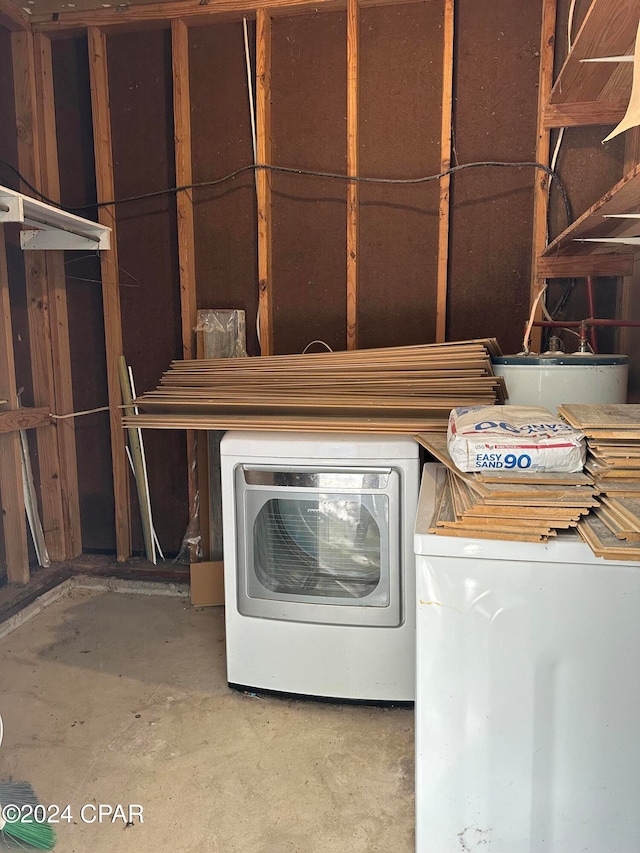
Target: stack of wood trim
613,459
396,389
527,507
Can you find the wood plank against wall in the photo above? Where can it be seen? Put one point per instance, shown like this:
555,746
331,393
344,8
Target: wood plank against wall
11,493
263,148
57,302
186,238
38,305
541,186
445,182
110,293
353,40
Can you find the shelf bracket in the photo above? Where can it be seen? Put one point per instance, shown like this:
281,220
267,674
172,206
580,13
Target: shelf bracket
51,227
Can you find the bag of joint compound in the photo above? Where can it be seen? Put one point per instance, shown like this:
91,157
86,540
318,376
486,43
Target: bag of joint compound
513,438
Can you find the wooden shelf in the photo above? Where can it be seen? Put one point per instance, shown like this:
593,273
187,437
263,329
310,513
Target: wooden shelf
596,93
609,29
623,198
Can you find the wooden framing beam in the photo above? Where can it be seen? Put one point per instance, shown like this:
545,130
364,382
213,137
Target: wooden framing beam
193,12
186,236
11,489
353,40
184,176
442,280
583,114
99,81
58,317
12,17
578,266
263,178
541,186
52,473
23,418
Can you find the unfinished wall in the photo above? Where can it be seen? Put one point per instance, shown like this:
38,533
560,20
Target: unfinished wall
497,64
309,131
140,88
401,50
84,296
224,215
401,79
14,254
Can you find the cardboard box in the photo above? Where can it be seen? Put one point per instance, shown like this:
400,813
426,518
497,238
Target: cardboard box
207,584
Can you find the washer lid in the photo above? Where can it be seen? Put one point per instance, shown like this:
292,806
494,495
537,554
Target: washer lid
586,359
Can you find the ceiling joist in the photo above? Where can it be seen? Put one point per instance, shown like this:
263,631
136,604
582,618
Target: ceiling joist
55,16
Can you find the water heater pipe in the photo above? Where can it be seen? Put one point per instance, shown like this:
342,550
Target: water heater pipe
582,325
593,335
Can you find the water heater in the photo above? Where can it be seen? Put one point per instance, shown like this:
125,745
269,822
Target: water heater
551,380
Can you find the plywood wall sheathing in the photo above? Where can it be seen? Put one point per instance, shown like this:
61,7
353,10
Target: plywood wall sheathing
52,473
110,292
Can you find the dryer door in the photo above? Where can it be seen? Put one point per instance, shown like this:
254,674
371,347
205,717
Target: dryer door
319,545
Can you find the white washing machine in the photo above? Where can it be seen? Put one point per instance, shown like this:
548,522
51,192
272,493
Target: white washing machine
528,695
318,563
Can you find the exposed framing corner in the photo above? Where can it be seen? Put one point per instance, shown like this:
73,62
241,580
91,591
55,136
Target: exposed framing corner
30,156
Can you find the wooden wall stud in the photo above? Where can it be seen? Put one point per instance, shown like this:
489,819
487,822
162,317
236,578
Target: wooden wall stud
353,39
263,183
110,294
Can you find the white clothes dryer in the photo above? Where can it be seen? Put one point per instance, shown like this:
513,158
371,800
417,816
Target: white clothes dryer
318,563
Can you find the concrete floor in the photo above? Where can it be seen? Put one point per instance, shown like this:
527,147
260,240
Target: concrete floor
118,698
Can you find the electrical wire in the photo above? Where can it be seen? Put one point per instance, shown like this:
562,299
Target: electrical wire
527,334
317,341
77,414
289,170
